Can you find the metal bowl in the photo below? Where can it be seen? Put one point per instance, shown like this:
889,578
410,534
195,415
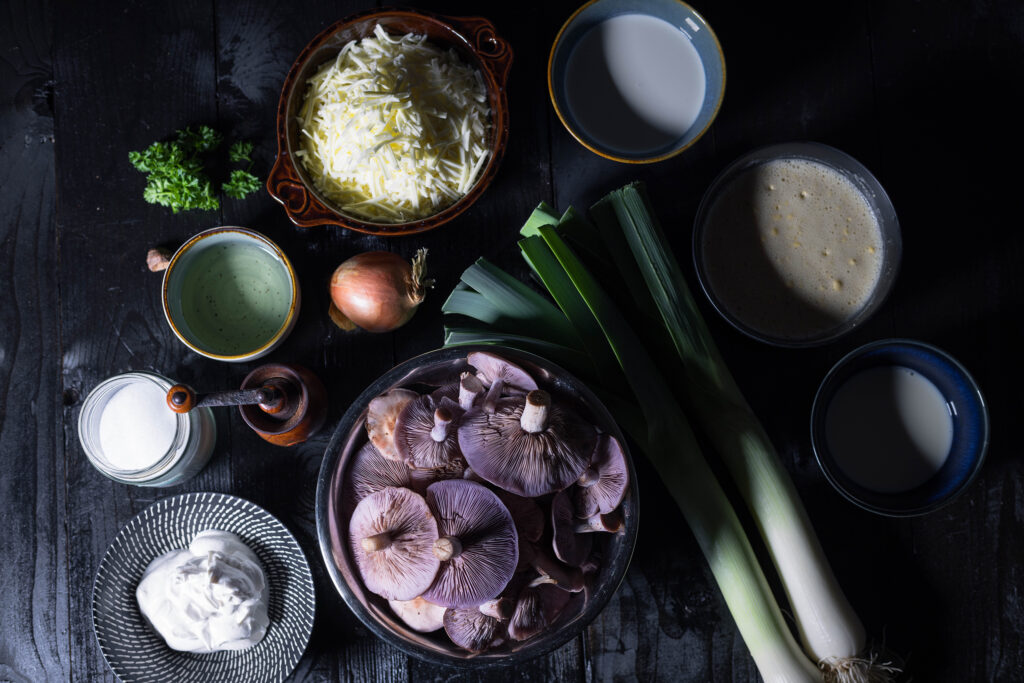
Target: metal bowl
476,42
430,370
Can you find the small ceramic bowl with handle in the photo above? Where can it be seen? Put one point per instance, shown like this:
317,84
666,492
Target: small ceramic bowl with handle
636,81
474,40
231,294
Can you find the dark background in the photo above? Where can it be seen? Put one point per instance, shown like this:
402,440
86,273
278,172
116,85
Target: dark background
925,94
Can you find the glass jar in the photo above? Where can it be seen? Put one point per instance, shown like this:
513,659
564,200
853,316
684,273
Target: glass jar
191,436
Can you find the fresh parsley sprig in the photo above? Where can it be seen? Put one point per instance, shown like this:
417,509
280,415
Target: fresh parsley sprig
242,181
176,175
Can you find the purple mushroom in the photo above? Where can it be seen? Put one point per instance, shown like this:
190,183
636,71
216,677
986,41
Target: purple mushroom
603,484
392,535
570,547
476,544
491,369
537,608
528,445
610,523
370,472
473,630
426,436
381,414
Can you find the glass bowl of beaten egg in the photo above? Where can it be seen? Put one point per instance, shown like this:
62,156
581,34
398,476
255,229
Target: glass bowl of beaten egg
307,191
796,244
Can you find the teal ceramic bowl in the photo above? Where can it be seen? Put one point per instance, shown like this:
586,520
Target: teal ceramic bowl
636,81
231,294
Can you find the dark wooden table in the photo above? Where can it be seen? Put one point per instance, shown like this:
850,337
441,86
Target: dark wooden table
926,94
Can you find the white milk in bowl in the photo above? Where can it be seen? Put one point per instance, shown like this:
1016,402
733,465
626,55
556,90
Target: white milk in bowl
635,83
888,428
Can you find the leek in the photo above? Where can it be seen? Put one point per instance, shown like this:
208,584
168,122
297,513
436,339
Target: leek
673,449
829,629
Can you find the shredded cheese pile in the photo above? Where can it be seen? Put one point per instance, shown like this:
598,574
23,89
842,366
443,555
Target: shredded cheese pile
394,129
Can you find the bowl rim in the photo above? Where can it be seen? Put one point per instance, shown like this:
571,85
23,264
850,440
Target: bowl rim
293,305
796,149
818,412
611,155
286,178
332,454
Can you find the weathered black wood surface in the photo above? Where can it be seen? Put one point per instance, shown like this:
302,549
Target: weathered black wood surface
925,94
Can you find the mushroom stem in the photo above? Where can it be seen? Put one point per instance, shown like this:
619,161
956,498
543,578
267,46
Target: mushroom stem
442,418
535,412
493,394
372,544
470,387
447,547
499,608
589,477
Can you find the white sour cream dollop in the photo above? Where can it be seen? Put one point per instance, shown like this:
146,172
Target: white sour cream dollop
211,596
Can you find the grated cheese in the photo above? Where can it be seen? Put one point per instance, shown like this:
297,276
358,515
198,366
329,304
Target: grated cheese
394,129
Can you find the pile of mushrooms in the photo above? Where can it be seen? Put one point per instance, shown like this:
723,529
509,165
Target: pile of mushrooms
471,508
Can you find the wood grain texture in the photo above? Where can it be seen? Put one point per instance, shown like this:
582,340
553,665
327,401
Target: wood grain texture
34,620
927,95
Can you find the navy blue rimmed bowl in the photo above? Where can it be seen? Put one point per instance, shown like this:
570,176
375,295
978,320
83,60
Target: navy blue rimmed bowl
966,407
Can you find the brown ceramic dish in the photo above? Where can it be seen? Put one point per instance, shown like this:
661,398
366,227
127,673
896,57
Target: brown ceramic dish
474,39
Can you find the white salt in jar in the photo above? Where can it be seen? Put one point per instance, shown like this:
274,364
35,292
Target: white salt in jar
130,434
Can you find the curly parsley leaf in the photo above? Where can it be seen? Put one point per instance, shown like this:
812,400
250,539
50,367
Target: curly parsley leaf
176,175
241,184
240,151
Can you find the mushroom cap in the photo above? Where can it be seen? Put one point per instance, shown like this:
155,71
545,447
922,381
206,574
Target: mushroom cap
486,540
602,486
536,608
415,431
500,450
526,514
569,546
381,414
610,523
473,630
370,472
400,523
418,614
490,367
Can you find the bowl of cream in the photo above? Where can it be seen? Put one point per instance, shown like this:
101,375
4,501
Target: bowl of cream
636,81
231,294
796,244
899,427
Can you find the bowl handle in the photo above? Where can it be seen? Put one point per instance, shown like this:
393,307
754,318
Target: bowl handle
286,187
495,51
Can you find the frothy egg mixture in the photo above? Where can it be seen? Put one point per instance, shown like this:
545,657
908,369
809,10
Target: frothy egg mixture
792,248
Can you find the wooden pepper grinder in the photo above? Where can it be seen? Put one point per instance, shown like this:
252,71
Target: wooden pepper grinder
284,404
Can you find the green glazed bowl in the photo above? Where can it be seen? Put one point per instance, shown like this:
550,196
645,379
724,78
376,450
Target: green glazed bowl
231,294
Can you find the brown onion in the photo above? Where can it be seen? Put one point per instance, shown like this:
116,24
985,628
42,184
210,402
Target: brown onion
378,291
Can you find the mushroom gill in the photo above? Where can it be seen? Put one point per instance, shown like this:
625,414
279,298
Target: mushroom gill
491,368
370,472
602,485
391,535
477,545
426,435
527,445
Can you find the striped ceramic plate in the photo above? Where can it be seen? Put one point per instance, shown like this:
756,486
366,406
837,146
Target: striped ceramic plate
133,649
